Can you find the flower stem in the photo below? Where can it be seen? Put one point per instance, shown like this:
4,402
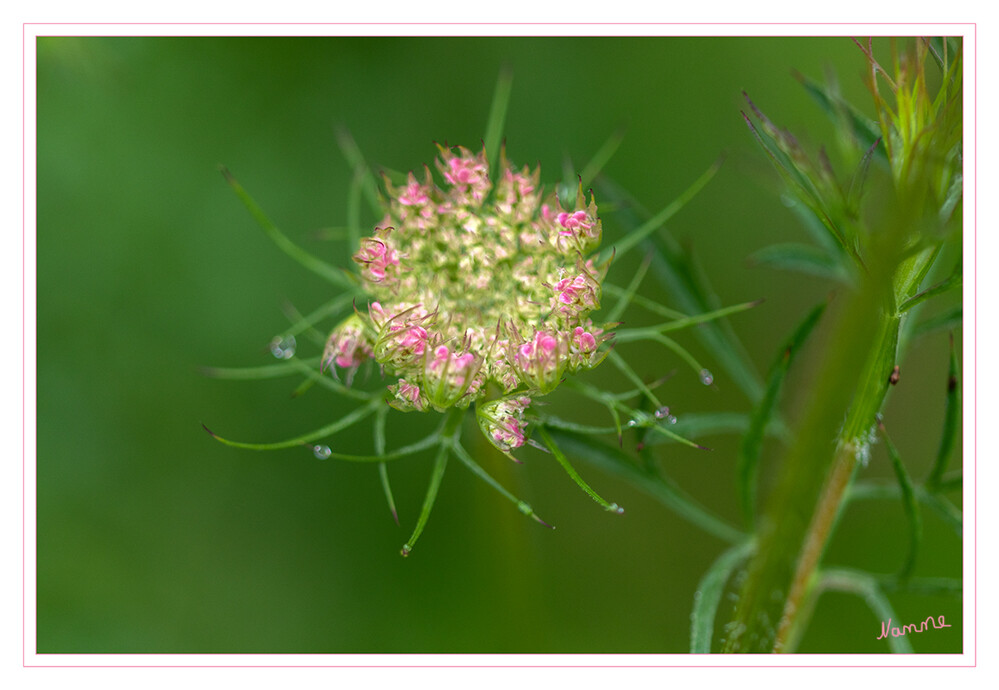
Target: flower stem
802,511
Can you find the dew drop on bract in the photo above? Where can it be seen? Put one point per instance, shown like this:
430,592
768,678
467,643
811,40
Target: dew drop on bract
662,412
706,378
671,419
322,452
283,347
632,422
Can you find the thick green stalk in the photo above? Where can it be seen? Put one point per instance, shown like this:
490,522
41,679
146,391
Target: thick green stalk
851,384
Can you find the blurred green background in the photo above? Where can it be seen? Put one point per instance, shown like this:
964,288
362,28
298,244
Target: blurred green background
154,538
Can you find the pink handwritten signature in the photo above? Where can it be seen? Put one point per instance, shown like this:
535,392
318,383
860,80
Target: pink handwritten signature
887,629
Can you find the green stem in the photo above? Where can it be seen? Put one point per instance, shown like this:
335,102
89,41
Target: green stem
803,507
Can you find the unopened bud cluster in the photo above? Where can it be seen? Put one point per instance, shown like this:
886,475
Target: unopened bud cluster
474,284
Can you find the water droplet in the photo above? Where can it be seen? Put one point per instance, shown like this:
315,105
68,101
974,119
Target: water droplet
632,422
283,348
662,413
671,419
322,452
615,508
706,378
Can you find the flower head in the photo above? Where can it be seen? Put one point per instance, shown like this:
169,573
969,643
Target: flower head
475,284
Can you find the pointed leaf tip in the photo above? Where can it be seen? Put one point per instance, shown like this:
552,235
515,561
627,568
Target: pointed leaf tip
543,522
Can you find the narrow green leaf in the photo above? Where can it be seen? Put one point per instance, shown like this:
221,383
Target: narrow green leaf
709,595
628,242
875,490
628,294
354,192
817,230
680,274
618,361
865,130
557,423
913,268
952,483
800,258
339,425
298,320
909,504
696,425
651,305
946,510
303,388
752,443
600,395
477,469
858,182
497,116
330,383
600,158
379,432
677,274
801,185
281,240
332,308
631,334
571,183
951,282
615,461
440,464
317,266
952,421
936,46
617,423
430,441
387,490
564,462
367,181
950,319
267,371
924,586
683,353
866,587
787,168
656,426
955,194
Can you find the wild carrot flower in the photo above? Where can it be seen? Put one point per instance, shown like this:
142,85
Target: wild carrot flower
476,289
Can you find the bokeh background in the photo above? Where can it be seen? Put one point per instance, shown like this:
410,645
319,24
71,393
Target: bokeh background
152,537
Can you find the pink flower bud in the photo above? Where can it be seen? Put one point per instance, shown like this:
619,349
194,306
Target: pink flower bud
502,421
573,221
375,257
575,295
407,396
540,362
415,339
347,347
415,193
584,340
